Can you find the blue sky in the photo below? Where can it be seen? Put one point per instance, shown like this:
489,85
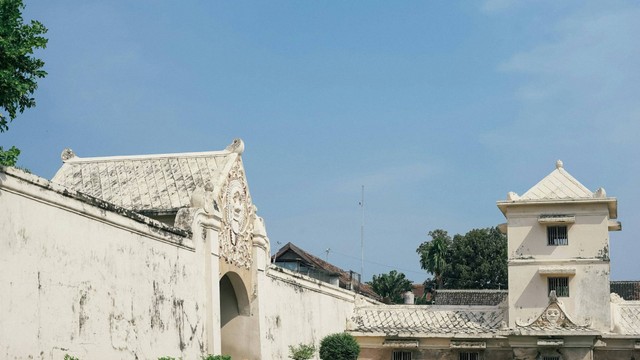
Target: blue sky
438,108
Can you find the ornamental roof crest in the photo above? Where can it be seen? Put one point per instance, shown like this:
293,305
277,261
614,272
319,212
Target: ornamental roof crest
554,317
238,213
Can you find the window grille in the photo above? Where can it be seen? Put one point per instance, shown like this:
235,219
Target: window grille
551,357
401,355
557,235
560,285
469,356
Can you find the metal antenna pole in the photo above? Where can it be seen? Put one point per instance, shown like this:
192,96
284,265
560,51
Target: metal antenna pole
362,237
327,251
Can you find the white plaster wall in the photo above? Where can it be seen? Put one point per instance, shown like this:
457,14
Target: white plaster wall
587,253
76,279
296,309
588,236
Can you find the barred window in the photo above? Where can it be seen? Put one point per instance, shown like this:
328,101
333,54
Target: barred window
401,355
557,235
469,356
560,285
551,357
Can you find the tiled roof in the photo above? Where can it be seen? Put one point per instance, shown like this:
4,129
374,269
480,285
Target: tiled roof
628,290
148,182
471,297
628,322
316,262
559,184
408,320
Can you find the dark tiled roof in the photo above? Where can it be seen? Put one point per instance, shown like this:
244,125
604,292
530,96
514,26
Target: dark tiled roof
316,262
471,297
628,290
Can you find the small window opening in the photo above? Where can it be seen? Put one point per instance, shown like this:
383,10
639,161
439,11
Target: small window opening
401,355
469,356
557,235
560,285
551,357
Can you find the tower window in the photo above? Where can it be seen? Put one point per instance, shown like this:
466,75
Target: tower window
560,285
469,356
557,235
401,355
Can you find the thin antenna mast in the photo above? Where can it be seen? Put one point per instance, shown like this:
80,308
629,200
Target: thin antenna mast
362,237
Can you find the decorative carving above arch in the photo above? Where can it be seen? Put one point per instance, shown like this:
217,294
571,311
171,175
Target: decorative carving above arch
238,215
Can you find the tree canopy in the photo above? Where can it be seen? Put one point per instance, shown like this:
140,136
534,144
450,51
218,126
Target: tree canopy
19,70
391,286
476,260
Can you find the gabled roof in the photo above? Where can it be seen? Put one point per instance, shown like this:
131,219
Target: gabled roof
344,277
560,187
161,182
434,321
559,184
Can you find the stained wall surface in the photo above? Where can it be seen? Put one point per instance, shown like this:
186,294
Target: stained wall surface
297,309
79,278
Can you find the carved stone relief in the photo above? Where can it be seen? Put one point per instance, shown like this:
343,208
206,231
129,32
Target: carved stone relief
237,219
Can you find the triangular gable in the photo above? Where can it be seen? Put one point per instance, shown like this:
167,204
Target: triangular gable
163,182
559,184
553,317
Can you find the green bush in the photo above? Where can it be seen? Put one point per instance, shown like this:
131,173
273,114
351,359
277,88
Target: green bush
301,352
69,357
339,346
216,357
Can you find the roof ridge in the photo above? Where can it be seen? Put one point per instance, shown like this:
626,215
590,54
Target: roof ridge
198,154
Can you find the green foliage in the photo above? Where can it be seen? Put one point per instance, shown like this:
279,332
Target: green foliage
339,346
69,357
390,285
9,157
18,69
216,357
167,358
433,254
476,260
301,352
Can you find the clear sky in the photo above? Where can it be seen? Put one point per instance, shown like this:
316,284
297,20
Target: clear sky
438,108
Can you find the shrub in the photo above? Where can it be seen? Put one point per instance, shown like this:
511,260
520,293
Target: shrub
339,346
69,357
216,357
301,352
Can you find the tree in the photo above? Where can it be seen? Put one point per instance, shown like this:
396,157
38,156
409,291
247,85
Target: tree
339,346
478,260
390,285
19,70
434,253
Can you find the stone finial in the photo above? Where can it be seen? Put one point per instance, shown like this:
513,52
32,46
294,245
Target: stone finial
511,196
237,146
559,164
600,193
67,154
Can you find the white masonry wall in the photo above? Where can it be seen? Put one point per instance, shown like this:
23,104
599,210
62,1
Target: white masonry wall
298,309
79,278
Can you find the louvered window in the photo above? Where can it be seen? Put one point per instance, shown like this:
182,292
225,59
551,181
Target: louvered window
469,356
560,285
557,235
401,355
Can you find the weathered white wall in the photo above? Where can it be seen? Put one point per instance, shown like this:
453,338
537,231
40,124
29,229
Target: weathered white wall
298,309
78,278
